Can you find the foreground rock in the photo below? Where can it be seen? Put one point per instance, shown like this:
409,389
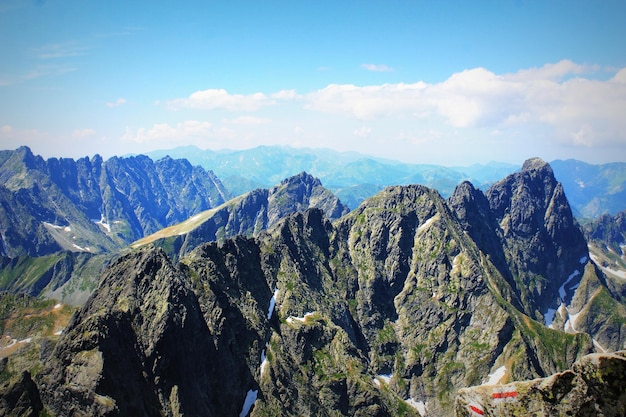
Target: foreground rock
595,386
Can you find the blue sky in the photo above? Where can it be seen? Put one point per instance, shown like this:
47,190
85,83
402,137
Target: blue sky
441,82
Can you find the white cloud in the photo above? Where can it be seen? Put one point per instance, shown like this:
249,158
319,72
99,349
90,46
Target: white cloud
119,102
369,101
163,132
562,108
620,77
556,71
83,133
579,111
212,99
285,95
377,67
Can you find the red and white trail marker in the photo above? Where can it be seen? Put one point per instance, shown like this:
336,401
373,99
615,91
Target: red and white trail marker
504,394
476,409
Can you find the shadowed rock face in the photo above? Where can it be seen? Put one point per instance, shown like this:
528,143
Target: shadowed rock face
595,386
139,346
543,244
20,397
390,309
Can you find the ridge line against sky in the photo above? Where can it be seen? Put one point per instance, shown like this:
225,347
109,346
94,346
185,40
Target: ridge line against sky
450,83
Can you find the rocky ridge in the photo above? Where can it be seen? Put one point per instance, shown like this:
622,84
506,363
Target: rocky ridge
70,276
91,205
249,214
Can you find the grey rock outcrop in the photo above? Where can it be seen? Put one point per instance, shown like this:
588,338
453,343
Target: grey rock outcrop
139,346
594,387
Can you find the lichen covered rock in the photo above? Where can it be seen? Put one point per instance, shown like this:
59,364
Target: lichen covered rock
595,386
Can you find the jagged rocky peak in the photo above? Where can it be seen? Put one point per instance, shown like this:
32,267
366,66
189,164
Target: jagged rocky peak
139,346
471,208
467,201
545,245
609,230
93,206
520,200
303,178
300,192
536,164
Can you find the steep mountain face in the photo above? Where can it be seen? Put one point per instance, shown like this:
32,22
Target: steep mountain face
34,209
250,214
64,219
298,193
545,246
152,195
91,205
387,311
142,313
598,304
20,232
192,339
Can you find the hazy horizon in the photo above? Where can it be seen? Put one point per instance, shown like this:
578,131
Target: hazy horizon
452,83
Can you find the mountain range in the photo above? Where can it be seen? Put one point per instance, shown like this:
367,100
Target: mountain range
281,302
592,190
92,205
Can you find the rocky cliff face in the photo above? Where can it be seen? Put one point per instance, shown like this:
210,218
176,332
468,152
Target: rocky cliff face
20,397
609,231
140,346
544,244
